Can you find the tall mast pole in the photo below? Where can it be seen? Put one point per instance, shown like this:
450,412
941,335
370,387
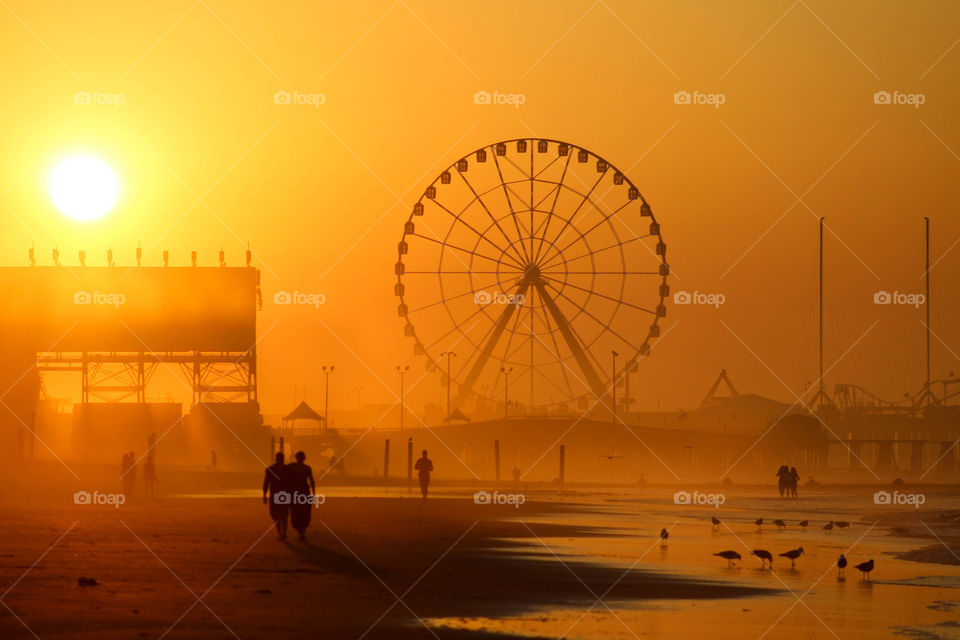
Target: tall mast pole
926,225
820,340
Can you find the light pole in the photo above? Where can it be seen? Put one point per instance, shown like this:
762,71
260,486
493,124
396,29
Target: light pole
449,354
613,383
506,386
402,371
326,400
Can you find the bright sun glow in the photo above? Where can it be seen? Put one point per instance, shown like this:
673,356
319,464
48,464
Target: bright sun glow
83,187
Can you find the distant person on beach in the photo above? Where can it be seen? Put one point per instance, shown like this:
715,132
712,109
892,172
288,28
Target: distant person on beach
276,480
794,481
149,476
424,467
784,479
303,490
213,460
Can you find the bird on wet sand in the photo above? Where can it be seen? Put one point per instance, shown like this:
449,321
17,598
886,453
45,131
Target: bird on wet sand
664,534
730,556
780,524
804,523
865,568
841,524
841,565
828,527
716,522
793,554
765,557
759,523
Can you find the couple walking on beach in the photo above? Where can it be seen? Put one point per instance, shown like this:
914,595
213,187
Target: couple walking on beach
788,481
291,492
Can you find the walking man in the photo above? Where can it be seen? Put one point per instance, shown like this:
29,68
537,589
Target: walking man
424,467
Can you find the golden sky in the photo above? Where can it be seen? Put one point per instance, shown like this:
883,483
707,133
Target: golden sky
182,107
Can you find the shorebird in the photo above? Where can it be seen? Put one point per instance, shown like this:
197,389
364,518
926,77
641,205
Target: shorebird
865,568
841,524
765,557
841,565
716,522
780,524
804,523
793,554
759,523
730,556
664,534
828,527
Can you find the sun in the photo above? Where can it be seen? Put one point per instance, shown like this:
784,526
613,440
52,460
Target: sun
83,187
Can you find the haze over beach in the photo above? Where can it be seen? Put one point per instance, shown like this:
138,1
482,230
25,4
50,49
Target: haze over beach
431,320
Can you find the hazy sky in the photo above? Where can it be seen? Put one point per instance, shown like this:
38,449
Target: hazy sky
182,107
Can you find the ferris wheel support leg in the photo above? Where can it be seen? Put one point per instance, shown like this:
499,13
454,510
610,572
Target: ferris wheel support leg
467,387
596,385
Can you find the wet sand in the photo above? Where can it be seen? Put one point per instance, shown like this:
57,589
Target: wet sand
390,567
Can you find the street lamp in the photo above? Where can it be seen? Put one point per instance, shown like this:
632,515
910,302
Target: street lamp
506,385
326,401
402,371
613,383
449,354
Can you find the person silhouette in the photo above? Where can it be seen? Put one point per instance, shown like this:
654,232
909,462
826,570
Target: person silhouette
783,473
302,498
424,467
794,480
276,489
149,476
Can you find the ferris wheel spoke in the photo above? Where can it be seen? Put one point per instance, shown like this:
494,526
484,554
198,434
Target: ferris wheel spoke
513,213
458,248
445,300
573,215
496,222
600,322
604,273
481,236
584,234
594,252
556,346
553,207
601,295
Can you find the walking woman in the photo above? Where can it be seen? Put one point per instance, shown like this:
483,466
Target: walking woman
303,488
785,478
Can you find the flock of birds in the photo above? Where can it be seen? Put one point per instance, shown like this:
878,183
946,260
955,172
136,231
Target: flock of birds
766,558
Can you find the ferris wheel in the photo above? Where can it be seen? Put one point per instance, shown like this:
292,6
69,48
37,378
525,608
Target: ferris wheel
538,265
